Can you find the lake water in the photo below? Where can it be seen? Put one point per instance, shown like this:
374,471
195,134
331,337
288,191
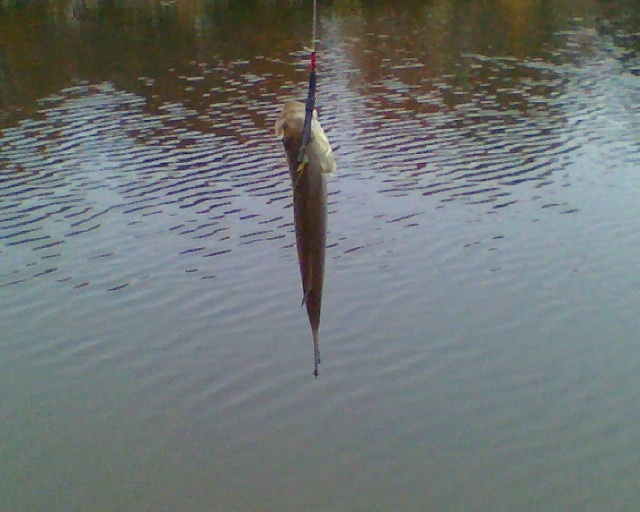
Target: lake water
480,327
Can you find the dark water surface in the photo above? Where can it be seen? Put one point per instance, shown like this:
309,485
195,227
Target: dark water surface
480,329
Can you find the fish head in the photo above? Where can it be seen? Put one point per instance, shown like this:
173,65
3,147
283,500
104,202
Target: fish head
289,127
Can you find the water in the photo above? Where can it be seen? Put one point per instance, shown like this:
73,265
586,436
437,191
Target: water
480,319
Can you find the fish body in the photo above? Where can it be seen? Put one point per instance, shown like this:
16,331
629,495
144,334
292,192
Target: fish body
309,205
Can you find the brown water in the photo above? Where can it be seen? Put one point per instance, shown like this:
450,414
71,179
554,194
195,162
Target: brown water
480,327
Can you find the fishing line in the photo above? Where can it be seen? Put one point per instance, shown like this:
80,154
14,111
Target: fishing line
315,22
311,93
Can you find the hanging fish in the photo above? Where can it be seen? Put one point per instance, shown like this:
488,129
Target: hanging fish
309,203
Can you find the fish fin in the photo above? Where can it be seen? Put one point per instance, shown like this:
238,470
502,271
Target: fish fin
298,174
307,289
305,297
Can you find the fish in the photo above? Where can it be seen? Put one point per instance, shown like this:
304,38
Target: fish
308,180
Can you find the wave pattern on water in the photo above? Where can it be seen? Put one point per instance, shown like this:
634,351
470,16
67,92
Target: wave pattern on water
96,156
501,123
94,162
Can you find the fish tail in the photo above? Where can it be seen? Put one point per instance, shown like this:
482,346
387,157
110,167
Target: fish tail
316,351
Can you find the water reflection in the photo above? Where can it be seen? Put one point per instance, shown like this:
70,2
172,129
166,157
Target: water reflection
159,119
